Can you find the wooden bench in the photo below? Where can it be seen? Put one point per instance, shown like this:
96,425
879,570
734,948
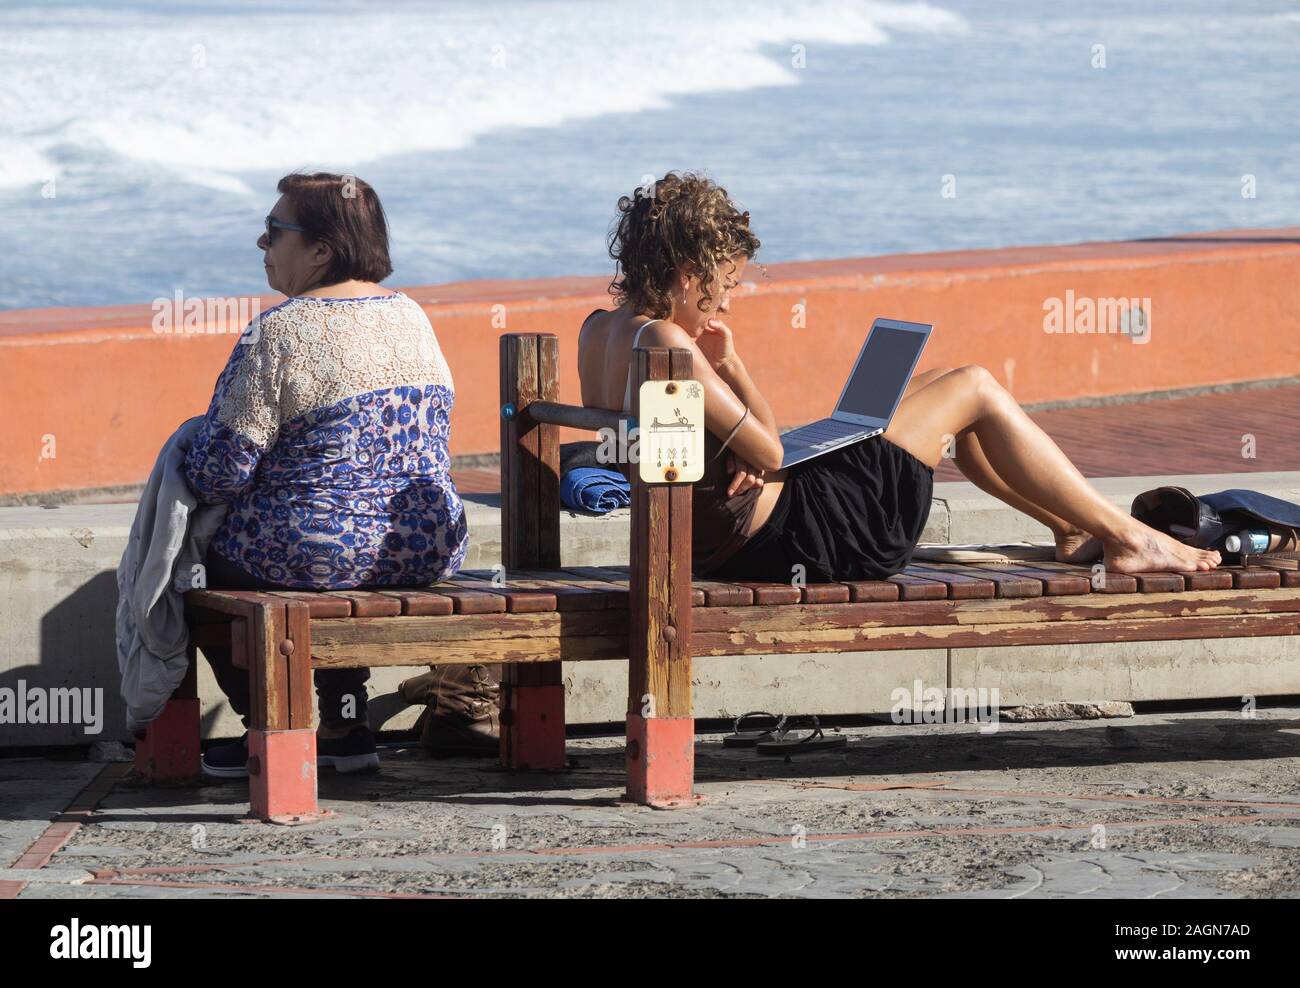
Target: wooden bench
538,614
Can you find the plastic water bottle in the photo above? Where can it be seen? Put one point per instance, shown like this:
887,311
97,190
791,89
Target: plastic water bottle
1250,540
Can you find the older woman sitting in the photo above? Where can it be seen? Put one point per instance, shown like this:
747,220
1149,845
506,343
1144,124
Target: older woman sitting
327,437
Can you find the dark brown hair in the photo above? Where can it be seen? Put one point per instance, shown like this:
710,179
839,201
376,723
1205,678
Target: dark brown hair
683,221
344,212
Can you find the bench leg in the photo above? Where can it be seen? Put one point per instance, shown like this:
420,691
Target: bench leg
660,760
660,719
282,773
281,741
532,716
169,752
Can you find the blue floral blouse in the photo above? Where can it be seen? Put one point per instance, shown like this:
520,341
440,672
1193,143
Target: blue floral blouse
327,436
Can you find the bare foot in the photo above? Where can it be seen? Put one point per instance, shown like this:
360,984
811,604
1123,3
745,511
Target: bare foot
1150,551
1077,546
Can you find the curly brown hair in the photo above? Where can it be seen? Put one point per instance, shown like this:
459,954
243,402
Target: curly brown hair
684,221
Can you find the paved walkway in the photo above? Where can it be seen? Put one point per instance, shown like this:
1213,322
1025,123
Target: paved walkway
1171,805
1202,434
1196,435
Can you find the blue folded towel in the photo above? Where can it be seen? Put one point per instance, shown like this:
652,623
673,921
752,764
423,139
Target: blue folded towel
595,489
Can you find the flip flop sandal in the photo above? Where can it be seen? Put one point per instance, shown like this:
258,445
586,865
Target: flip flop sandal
755,733
805,735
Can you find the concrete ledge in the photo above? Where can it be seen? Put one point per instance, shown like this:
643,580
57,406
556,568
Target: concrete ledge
58,595
77,417
1134,671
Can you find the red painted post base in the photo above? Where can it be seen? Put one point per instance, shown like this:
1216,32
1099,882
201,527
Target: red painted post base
661,760
169,754
282,774
532,728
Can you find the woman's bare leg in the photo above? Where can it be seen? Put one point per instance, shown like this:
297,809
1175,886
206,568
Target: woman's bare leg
1024,459
1073,545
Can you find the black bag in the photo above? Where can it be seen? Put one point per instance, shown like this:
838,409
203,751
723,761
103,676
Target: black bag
1206,521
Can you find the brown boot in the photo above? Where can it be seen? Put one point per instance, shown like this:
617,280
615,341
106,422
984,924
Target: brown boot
462,714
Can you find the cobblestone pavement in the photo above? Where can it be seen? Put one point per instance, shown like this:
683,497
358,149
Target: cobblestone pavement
1188,804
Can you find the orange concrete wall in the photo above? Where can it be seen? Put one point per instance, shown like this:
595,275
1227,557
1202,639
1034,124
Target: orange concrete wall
1223,309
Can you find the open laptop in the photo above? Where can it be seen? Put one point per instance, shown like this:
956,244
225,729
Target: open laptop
871,395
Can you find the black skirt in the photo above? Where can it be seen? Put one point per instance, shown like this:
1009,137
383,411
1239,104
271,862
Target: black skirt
853,514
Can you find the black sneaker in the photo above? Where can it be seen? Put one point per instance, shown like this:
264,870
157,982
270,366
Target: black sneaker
227,761
354,752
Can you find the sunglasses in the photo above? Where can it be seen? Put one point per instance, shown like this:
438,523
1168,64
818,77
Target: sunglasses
272,224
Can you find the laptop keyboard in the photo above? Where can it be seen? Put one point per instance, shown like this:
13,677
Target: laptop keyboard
825,432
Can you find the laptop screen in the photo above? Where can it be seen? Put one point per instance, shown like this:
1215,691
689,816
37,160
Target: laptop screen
882,372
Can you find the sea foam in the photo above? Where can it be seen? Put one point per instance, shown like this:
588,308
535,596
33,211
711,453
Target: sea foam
210,95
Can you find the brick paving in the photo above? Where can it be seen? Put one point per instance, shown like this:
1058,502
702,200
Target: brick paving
1200,434
477,480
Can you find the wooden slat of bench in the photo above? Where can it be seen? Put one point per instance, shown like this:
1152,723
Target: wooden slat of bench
568,593
319,605
554,636
812,593
597,594
569,647
1276,561
1159,582
1114,582
1008,584
1289,569
421,603
1255,577
232,602
471,601
1042,609
865,591
544,636
467,627
918,587
1054,582
600,580
618,576
961,586
516,601
1206,579
718,594
905,637
773,593
836,593
367,603
498,649
263,597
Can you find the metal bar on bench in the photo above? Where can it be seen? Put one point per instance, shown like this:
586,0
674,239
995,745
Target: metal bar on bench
575,416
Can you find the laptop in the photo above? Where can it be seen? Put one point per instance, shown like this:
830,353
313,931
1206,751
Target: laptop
870,396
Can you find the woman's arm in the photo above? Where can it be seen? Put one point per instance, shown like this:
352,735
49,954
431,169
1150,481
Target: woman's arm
241,422
756,441
734,373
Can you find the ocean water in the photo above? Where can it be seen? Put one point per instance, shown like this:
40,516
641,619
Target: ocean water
140,142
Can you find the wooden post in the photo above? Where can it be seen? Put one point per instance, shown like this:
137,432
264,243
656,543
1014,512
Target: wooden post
281,741
169,753
660,723
532,695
